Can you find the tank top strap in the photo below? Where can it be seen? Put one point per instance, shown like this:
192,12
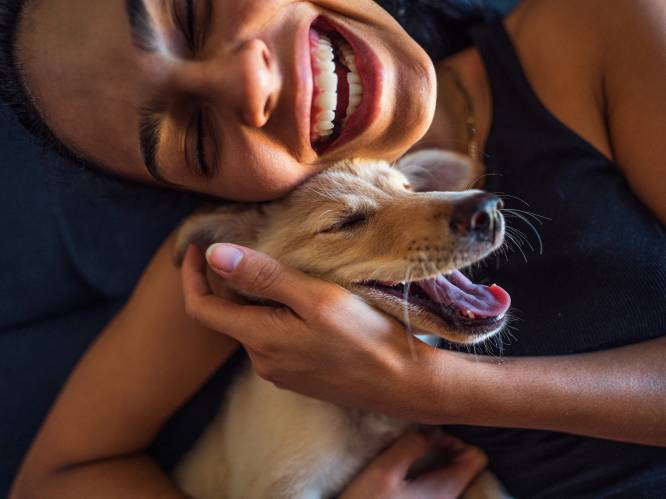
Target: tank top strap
512,93
522,127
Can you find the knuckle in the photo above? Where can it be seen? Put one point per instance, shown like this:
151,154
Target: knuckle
418,440
327,308
264,276
274,328
261,346
385,481
261,369
266,372
192,307
274,332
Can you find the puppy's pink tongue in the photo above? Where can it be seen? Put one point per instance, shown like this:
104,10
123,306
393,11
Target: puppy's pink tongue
472,300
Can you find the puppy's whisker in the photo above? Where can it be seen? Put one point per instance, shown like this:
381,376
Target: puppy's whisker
519,236
531,225
518,232
376,274
510,239
538,218
405,299
405,308
509,196
479,178
439,297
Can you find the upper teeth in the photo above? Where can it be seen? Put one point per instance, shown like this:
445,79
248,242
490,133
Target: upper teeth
326,86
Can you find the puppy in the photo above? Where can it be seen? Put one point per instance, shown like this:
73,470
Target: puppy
388,234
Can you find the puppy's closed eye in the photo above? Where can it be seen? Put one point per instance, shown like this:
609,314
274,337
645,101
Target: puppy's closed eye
353,221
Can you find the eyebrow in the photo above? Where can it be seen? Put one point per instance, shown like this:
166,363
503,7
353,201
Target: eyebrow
143,30
150,126
145,37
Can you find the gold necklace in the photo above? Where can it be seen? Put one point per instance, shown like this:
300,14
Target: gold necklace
470,120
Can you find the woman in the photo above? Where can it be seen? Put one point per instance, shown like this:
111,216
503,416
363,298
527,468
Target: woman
548,100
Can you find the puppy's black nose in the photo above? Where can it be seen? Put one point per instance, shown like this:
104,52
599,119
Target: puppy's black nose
476,215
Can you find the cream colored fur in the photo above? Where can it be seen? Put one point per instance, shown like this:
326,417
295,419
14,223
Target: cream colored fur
268,443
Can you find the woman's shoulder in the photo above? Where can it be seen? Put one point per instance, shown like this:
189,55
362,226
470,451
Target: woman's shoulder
600,67
584,29
563,49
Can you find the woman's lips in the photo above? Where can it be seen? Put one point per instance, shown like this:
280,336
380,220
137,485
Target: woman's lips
303,89
370,72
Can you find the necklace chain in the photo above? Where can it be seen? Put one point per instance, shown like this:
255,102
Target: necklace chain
470,118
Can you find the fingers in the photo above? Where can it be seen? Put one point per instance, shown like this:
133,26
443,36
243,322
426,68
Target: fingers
245,323
395,461
259,275
453,479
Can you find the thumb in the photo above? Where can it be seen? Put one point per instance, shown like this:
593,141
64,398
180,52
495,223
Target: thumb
260,275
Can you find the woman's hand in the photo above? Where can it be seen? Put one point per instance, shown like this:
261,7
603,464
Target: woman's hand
326,342
385,477
330,345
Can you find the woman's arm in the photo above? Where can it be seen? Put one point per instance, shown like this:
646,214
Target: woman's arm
141,369
328,344
145,365
618,394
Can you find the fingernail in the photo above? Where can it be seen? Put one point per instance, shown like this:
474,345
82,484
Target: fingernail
224,257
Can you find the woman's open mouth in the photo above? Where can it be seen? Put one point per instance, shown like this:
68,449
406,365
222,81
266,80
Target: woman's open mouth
344,87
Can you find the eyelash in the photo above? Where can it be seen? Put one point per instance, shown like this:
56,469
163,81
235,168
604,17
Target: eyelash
201,150
185,22
192,18
351,222
194,146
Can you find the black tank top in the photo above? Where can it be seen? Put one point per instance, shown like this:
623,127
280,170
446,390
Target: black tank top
599,282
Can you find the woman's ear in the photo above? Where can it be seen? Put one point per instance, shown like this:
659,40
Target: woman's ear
439,170
237,224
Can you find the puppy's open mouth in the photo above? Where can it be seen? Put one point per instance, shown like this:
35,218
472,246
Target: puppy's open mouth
469,311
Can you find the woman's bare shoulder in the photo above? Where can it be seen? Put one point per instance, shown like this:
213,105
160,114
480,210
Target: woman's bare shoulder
588,26
562,54
600,67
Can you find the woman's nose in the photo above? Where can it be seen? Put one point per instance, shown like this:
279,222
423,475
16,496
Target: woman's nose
244,80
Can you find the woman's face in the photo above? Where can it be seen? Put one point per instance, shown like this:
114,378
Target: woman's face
226,97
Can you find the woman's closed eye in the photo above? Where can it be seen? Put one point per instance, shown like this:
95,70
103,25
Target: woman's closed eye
198,144
192,19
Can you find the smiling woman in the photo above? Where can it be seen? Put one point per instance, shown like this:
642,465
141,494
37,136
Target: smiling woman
80,239
246,99
200,84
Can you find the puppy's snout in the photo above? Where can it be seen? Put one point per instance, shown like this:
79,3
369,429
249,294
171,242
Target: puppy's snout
476,215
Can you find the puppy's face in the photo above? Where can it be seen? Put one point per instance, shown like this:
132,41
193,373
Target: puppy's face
366,226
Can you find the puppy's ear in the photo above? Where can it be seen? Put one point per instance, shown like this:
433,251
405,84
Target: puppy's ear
438,170
229,224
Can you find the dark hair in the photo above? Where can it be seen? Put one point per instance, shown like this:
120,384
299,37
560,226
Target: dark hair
438,25
13,90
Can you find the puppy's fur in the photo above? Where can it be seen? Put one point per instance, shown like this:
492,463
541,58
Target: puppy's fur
357,222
